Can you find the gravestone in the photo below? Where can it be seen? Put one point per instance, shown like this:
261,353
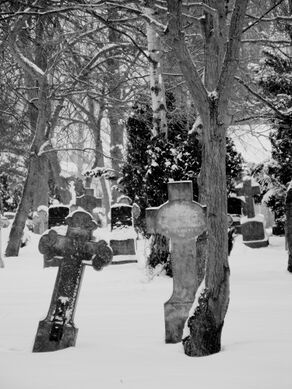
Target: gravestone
73,251
89,202
234,205
252,227
40,220
57,215
123,236
182,220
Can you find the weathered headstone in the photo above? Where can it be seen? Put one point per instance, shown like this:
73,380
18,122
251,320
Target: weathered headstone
40,220
182,220
57,215
252,227
248,188
73,251
89,202
123,239
234,205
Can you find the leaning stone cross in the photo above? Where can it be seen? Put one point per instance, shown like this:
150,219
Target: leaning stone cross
248,190
57,331
182,220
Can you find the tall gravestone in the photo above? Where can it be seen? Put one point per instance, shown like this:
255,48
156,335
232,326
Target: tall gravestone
182,220
73,251
252,227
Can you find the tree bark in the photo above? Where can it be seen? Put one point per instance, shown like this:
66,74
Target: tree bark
211,100
157,90
35,190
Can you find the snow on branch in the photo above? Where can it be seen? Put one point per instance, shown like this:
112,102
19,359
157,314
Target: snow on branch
26,63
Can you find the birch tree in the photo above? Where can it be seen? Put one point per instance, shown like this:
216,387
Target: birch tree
157,90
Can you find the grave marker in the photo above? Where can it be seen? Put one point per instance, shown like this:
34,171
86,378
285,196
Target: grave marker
57,215
123,237
253,228
73,251
88,201
40,220
182,220
248,189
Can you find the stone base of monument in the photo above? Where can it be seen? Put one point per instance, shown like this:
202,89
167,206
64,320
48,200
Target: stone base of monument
175,315
253,232
52,337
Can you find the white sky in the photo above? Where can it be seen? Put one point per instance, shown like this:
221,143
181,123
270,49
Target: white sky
252,142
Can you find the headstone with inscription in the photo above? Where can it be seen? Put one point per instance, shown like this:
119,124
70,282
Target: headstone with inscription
252,226
182,220
57,215
123,236
73,251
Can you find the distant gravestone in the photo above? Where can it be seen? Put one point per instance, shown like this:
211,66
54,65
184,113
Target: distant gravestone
40,220
234,206
88,201
123,240
73,251
182,220
248,189
253,228
57,215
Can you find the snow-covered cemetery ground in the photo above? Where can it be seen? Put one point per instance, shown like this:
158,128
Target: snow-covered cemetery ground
119,314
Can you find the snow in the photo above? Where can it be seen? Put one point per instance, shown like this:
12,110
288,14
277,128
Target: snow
120,342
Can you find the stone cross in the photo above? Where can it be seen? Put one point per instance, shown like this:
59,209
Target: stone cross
88,201
248,190
182,220
57,331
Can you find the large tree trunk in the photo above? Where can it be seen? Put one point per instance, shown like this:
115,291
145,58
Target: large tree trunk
37,175
208,313
36,185
289,225
206,323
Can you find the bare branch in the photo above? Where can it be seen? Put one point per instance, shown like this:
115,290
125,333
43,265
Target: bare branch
261,98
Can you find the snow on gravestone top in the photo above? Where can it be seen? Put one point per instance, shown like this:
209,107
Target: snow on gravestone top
182,220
